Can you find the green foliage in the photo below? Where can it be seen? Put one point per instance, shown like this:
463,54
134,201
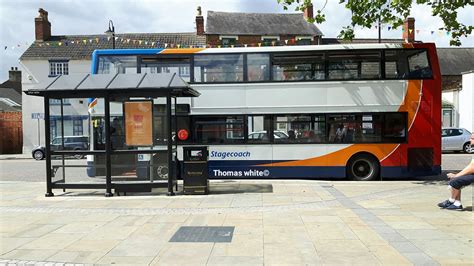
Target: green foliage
366,13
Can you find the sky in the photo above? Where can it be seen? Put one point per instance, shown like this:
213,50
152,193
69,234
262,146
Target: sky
81,17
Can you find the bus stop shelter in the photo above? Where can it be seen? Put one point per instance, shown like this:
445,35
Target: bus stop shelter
143,110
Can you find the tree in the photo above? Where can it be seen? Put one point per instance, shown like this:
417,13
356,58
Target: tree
366,13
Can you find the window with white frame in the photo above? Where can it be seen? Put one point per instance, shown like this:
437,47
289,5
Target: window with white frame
304,40
58,68
270,40
228,40
58,102
184,71
77,127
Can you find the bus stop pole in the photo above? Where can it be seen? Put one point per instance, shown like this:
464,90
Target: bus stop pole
63,162
47,140
170,145
108,148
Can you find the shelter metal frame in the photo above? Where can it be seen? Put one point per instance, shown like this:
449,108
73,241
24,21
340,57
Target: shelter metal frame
169,86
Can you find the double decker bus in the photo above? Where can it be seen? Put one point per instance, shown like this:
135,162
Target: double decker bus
359,111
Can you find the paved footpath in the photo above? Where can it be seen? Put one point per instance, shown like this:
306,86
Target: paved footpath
275,222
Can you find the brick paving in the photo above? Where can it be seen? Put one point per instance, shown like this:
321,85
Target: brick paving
295,222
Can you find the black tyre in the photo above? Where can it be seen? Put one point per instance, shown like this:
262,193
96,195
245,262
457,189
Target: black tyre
363,167
38,155
467,148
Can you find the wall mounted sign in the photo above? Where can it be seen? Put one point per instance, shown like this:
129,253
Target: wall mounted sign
139,123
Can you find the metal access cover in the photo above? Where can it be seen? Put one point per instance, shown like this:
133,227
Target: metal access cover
220,234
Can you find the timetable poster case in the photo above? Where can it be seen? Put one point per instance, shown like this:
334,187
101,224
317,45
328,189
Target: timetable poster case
139,123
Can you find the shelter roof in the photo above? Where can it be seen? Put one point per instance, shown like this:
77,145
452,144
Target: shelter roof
87,85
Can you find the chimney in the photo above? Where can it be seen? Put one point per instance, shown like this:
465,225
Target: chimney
308,11
14,75
409,30
42,26
199,22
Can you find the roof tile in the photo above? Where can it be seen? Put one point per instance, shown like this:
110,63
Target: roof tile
259,24
78,47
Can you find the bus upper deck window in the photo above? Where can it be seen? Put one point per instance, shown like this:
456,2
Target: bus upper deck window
258,67
218,68
419,66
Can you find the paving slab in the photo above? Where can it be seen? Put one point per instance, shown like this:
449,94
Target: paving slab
292,222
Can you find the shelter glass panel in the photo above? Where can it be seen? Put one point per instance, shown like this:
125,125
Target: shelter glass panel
138,123
67,124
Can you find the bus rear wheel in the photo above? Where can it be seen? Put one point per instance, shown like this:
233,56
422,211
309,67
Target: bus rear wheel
363,167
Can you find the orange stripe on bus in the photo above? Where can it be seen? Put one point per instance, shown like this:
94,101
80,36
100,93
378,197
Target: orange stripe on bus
182,51
339,158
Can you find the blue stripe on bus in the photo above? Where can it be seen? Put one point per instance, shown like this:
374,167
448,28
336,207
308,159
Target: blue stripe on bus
403,172
248,169
97,53
277,172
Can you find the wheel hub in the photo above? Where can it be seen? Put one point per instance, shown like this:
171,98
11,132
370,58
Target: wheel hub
362,169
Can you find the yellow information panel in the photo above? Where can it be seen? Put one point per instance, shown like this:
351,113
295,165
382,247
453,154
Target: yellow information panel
138,123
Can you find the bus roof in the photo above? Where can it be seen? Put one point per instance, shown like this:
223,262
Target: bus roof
296,48
249,49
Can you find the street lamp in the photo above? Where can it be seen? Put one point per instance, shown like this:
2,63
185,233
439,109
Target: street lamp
111,32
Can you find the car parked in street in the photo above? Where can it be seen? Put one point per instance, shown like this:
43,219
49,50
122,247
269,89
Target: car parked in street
262,135
71,143
456,139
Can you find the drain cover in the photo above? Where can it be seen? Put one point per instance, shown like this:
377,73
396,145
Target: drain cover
219,234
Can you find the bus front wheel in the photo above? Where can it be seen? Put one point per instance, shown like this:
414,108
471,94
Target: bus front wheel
363,167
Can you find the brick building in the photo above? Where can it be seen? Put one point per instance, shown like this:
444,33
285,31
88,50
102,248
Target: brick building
53,54
11,139
233,28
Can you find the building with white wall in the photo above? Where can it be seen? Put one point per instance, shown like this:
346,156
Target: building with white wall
53,55
454,63
466,100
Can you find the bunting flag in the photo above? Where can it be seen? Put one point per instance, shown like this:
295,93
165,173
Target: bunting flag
155,44
91,103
